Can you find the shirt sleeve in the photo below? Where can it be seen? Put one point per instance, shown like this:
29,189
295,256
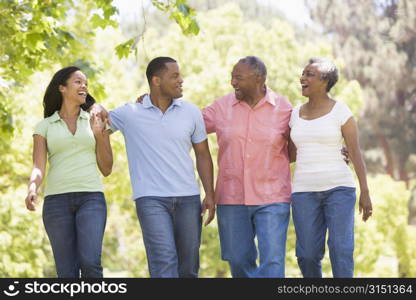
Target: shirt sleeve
209,114
344,113
117,118
41,128
199,135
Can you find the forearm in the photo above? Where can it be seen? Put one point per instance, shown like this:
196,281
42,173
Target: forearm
360,169
104,153
36,178
292,154
205,170
291,148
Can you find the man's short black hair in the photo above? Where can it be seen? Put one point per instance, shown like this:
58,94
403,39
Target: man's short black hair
156,66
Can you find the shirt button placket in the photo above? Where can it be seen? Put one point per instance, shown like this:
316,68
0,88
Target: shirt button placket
246,167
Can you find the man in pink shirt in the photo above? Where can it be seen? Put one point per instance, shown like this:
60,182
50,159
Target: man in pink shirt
253,186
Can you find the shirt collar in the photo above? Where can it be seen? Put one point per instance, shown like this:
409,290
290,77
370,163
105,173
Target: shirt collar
267,98
55,117
270,97
235,100
147,103
177,102
83,114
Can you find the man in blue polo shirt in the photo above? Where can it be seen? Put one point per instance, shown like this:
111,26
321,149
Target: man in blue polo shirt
159,134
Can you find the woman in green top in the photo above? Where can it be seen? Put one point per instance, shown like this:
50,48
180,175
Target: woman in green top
74,210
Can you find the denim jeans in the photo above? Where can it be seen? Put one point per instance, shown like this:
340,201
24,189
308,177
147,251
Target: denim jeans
75,224
313,214
238,226
171,228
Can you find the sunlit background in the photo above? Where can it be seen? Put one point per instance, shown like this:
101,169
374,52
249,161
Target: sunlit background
372,42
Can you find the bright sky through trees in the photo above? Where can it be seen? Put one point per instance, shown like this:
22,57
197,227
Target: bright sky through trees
294,10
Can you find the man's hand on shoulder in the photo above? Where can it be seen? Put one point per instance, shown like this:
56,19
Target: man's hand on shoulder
140,98
344,151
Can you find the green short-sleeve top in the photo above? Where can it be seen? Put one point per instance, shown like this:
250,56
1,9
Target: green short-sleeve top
72,158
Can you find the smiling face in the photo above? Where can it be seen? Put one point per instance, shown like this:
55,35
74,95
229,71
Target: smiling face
76,88
244,81
311,81
170,81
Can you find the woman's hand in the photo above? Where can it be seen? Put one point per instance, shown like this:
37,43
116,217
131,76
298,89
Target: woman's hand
97,125
98,110
365,206
31,200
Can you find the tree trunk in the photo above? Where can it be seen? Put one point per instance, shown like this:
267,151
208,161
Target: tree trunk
412,207
387,153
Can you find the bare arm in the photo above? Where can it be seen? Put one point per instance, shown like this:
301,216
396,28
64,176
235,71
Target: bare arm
103,146
350,134
292,150
206,173
38,171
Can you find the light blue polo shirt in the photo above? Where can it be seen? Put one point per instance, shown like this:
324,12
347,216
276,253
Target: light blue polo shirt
158,146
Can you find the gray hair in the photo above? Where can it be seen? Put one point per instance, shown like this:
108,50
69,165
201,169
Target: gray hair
327,69
256,64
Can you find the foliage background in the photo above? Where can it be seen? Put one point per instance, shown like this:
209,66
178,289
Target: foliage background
42,36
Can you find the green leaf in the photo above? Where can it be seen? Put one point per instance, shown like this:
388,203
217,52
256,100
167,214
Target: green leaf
32,39
97,21
109,12
194,27
124,49
160,5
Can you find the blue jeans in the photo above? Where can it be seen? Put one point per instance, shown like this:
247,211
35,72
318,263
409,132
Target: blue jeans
171,228
75,224
238,225
313,214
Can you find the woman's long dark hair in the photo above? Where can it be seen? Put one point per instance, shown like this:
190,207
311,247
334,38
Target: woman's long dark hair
52,101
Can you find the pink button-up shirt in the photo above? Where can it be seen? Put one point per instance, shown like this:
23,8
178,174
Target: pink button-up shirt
253,157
